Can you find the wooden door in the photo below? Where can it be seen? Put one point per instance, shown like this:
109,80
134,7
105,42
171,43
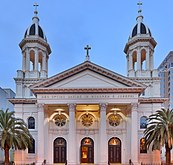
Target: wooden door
114,150
59,150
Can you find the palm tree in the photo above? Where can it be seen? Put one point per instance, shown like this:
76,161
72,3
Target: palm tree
159,132
13,133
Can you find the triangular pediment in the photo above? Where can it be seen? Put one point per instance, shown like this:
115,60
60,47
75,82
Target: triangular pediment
87,75
87,79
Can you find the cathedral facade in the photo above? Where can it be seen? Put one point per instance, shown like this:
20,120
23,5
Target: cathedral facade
87,114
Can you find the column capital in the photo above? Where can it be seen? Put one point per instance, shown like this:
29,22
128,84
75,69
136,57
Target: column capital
103,106
71,107
134,106
40,107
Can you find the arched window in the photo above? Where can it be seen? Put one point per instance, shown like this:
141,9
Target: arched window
87,150
143,122
143,59
31,149
114,150
143,147
134,60
31,123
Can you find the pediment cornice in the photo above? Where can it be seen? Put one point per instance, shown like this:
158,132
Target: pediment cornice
88,66
87,90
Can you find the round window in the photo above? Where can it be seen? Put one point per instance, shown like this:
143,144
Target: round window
114,120
87,120
60,120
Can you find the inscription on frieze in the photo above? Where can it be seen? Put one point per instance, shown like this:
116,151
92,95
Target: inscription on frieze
85,96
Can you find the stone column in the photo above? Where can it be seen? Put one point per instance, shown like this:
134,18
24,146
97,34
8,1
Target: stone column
40,140
134,134
43,66
103,136
139,60
147,60
36,60
71,160
131,61
27,60
23,61
151,61
127,63
44,61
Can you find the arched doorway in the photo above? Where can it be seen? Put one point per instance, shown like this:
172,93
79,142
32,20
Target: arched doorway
114,150
59,150
87,150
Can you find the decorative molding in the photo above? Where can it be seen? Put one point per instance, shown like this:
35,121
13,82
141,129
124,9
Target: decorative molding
88,90
115,131
139,39
33,40
87,132
152,100
59,131
23,101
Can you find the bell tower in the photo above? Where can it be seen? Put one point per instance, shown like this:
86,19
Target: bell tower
35,54
139,49
139,52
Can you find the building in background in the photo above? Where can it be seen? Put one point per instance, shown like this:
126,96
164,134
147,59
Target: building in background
87,114
166,79
5,94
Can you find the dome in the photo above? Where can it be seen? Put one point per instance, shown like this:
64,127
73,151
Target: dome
35,30
140,28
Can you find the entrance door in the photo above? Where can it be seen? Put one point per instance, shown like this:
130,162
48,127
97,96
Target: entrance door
59,150
87,150
114,150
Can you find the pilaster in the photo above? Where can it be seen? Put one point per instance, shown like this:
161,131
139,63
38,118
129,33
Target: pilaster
71,160
103,136
40,140
134,134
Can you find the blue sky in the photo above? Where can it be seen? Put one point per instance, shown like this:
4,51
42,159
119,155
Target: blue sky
71,24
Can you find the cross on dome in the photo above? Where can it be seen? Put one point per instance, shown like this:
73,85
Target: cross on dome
35,5
87,48
140,7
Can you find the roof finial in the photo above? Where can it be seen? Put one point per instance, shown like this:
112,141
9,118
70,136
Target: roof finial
140,7
139,17
87,48
35,11
35,18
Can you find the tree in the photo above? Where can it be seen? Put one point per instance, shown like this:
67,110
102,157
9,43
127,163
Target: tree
159,132
13,133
